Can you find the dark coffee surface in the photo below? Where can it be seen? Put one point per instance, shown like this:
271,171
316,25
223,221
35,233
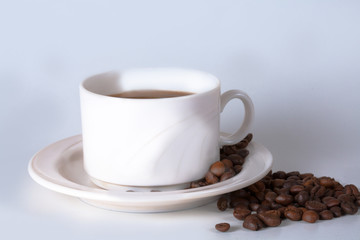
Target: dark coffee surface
147,94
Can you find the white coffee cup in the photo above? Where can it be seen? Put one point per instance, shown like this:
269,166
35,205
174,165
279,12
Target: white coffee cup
159,141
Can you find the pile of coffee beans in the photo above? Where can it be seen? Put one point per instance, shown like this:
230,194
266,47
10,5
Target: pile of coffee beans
232,158
278,196
292,196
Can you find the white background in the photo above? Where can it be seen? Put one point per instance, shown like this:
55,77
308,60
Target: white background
298,60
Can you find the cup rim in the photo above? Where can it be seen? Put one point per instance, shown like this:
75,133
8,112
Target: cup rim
169,69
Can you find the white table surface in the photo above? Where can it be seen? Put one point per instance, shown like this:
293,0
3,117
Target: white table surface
298,60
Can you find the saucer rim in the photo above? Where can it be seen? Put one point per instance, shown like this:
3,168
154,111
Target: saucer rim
98,194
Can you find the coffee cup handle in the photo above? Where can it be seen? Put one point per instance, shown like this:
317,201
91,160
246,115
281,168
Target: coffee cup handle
229,139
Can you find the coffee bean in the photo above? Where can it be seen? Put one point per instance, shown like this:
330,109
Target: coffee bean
289,183
222,203
279,175
252,222
352,189
310,216
236,159
235,201
306,175
270,196
349,207
270,218
277,183
293,173
326,182
227,175
241,214
295,189
217,168
257,187
229,149
237,168
254,206
242,144
302,197
336,211
253,199
211,178
346,198
240,193
260,196
249,137
315,206
292,213
222,227
228,163
330,201
243,153
284,199
326,215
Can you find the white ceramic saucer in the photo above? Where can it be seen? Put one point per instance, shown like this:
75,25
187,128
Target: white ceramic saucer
59,167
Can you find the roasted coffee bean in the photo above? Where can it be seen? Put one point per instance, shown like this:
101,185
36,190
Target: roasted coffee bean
302,197
211,178
336,211
289,183
227,175
315,206
260,196
237,168
277,183
254,206
228,149
241,214
257,187
293,213
222,203
326,215
279,174
222,227
330,201
293,178
337,193
243,153
338,186
242,144
217,168
270,218
262,209
357,201
235,201
284,199
252,222
253,199
270,196
236,159
240,193
275,205
279,191
266,204
306,175
326,182
249,137
293,173
352,189
346,198
349,207
295,189
310,216
228,163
